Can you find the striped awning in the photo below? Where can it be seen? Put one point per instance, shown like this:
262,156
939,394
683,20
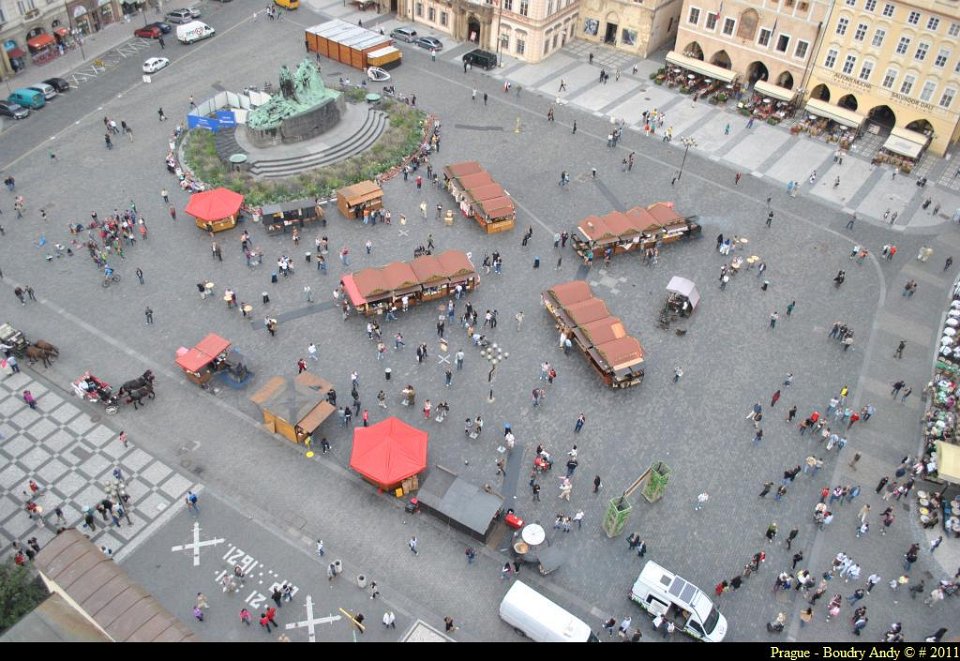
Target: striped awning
701,67
836,113
775,91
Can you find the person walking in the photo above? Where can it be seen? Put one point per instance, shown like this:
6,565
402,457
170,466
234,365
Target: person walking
774,399
579,424
412,543
148,313
900,347
701,501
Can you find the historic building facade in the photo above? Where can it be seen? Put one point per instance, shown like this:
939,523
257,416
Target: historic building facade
636,26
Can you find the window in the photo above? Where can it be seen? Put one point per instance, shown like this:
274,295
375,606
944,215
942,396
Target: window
831,58
903,45
889,78
866,70
524,10
907,85
550,8
783,41
711,23
849,63
520,44
694,16
508,5
850,3
870,5
942,58
933,24
888,11
443,18
921,53
419,9
764,39
913,17
842,26
802,48
728,25
954,30
24,6
505,42
431,14
861,32
878,37
947,99
926,93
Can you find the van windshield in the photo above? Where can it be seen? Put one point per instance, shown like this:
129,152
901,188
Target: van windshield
710,622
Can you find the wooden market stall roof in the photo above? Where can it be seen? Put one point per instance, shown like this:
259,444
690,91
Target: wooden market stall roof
397,278
71,565
299,401
569,293
360,192
203,353
462,169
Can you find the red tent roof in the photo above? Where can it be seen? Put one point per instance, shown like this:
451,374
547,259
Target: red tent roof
214,204
388,452
193,360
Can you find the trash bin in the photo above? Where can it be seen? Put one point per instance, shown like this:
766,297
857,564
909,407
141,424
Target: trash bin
266,297
386,373
536,262
273,277
307,256
337,566
361,581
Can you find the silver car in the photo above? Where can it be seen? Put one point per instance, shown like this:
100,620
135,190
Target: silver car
408,35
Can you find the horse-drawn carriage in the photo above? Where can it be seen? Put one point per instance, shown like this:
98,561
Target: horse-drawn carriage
15,342
92,389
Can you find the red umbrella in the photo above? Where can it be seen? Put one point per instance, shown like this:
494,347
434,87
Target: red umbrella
214,204
388,452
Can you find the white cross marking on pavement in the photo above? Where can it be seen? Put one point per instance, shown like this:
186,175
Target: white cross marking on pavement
196,544
311,621
404,233
444,359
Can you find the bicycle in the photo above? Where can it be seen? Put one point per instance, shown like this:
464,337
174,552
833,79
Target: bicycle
111,278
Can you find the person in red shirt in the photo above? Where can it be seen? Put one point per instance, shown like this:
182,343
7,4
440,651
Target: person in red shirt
853,419
301,366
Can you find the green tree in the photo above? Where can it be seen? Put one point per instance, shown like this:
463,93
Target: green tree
21,590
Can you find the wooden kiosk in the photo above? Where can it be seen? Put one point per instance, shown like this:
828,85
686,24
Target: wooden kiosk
215,210
354,201
294,408
479,197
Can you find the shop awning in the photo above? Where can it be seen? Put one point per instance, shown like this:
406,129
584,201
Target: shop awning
836,113
906,143
700,67
14,53
685,288
774,91
63,32
40,41
948,462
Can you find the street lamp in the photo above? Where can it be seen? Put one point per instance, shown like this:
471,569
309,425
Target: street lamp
687,144
495,355
499,4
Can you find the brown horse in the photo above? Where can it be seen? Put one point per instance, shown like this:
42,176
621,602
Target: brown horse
51,349
34,354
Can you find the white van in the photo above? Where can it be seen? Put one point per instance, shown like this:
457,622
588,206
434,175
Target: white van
657,590
194,31
538,618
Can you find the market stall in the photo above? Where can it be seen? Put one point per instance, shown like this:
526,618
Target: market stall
460,504
635,230
390,455
294,408
212,356
479,197
683,296
282,217
352,45
358,200
215,210
374,290
585,320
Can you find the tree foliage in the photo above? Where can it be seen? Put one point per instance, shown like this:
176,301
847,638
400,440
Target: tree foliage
21,590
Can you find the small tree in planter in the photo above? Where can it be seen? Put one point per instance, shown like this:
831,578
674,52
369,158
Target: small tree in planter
655,481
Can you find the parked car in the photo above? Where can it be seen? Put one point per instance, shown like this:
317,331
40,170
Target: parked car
165,28
148,32
58,84
404,34
154,64
47,90
481,58
430,43
27,98
182,15
14,110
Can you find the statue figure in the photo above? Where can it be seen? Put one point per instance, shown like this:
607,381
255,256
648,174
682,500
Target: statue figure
300,91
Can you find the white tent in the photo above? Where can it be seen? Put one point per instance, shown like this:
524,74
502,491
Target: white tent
685,288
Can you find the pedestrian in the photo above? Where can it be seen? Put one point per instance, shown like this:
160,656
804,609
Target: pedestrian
412,543
579,424
900,347
736,178
766,489
677,374
701,500
775,398
163,117
774,317
935,543
790,537
149,315
139,273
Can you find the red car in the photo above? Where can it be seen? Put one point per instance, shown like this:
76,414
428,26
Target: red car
148,32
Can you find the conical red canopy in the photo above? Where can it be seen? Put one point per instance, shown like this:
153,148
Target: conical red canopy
214,204
388,452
